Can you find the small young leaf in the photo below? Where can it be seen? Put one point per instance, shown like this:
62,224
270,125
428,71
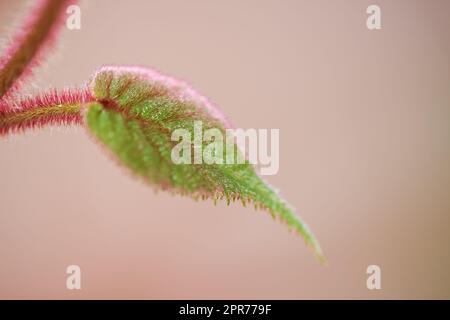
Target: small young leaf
135,113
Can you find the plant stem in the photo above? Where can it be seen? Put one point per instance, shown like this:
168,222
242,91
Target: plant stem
37,31
51,108
20,120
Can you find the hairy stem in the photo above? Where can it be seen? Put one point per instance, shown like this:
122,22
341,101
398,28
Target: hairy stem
40,116
35,34
51,108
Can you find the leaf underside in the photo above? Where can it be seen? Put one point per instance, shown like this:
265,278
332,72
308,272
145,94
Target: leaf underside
136,111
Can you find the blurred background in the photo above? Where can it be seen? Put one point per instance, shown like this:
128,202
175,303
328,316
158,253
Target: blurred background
364,119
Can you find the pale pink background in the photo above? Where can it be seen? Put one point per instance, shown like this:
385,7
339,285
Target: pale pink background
365,156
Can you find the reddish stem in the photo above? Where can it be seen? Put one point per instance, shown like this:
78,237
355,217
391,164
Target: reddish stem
37,33
51,108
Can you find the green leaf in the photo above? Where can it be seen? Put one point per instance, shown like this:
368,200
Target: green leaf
135,114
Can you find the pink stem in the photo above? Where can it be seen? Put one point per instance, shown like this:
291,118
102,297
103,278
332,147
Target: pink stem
37,33
51,108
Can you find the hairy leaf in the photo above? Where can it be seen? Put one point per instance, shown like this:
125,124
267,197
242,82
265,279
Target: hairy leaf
135,112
